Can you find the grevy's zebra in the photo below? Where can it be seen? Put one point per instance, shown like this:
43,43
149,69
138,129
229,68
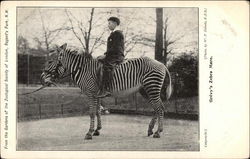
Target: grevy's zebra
139,74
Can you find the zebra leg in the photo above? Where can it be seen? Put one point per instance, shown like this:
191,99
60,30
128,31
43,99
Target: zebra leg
92,113
99,123
155,104
152,124
153,120
160,113
160,125
158,107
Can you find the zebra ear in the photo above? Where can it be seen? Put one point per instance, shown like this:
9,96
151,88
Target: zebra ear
64,46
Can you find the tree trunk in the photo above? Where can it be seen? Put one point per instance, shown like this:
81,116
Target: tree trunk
87,40
159,35
165,45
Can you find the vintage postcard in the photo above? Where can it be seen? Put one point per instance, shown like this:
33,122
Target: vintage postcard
124,79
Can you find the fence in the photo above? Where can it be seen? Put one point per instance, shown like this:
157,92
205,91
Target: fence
53,103
30,68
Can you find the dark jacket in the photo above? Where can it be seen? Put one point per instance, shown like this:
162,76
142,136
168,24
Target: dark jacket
115,47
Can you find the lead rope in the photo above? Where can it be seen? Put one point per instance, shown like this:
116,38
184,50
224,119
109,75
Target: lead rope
42,87
34,90
68,94
59,88
68,102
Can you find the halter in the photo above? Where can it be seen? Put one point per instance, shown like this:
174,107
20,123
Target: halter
55,73
64,76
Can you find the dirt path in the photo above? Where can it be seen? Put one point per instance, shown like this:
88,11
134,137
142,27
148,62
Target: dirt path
120,132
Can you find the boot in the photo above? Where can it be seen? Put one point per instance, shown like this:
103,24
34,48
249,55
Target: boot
103,92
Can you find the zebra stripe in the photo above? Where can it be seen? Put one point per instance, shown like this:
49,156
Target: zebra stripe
144,73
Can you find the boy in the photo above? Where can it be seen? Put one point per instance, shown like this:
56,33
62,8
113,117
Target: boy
113,56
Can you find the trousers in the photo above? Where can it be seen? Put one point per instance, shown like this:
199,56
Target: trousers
108,69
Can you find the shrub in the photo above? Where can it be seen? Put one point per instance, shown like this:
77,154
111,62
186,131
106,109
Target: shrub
184,71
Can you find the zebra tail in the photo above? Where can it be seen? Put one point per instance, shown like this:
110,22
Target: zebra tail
169,87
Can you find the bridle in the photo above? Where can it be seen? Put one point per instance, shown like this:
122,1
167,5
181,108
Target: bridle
55,72
56,75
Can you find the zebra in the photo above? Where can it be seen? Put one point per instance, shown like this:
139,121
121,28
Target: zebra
136,74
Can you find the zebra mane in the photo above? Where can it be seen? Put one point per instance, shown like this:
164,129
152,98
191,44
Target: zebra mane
75,52
87,55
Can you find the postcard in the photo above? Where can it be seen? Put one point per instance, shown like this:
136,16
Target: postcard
124,79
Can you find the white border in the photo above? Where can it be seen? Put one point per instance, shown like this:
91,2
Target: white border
226,119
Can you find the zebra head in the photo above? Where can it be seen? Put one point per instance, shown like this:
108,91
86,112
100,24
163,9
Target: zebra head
53,69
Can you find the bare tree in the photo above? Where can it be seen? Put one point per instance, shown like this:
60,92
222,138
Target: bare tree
90,42
23,20
48,36
83,32
166,35
159,35
132,38
22,45
170,40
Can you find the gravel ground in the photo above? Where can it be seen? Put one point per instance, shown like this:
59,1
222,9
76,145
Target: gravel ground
120,132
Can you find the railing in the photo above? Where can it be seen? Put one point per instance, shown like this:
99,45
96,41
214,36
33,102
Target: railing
51,104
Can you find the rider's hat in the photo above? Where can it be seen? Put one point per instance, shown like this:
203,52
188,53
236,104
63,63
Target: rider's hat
114,19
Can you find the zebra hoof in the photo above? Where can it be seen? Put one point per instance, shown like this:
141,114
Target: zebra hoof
88,137
96,133
156,135
150,133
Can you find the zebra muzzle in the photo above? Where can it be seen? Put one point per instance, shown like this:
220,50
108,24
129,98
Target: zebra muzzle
45,81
